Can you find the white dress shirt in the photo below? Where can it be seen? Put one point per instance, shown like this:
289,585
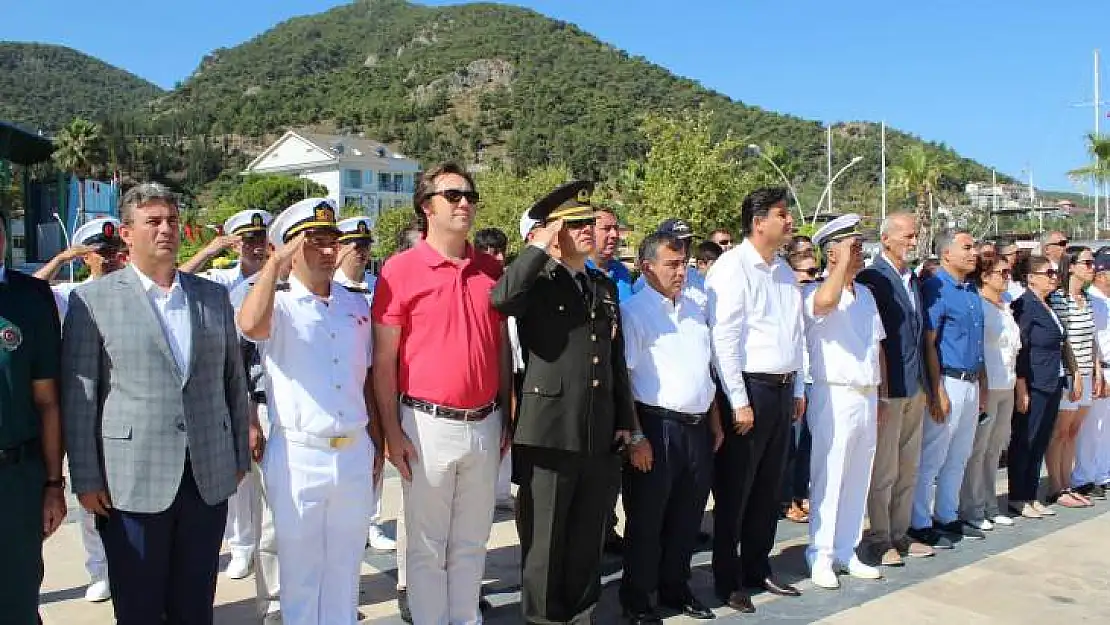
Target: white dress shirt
905,274
172,309
61,296
514,344
755,318
317,359
369,281
666,347
844,345
1001,344
228,278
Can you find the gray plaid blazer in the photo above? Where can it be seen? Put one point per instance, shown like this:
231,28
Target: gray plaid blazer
129,414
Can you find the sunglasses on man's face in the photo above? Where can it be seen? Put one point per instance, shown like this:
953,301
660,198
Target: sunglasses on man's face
578,225
1005,273
811,272
1061,243
1051,274
254,238
455,196
1086,262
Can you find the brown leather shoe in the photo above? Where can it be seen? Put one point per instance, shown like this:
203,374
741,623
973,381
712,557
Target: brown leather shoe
741,602
797,514
891,557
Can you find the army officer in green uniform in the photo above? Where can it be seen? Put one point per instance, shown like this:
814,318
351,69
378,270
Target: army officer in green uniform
31,485
575,413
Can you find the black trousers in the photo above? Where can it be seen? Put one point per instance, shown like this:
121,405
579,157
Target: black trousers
1029,440
747,485
21,567
663,508
165,563
796,484
563,508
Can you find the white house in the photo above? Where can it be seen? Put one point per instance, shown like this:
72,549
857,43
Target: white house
355,170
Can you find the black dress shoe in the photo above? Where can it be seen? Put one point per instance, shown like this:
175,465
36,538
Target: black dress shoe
403,605
688,606
780,588
741,602
484,605
1099,492
643,616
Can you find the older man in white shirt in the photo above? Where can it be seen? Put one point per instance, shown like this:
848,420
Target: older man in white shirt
1091,476
755,315
844,334
666,346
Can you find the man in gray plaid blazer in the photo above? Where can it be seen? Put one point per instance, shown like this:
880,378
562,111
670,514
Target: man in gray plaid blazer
155,413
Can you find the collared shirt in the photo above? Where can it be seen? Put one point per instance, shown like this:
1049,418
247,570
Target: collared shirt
317,358
450,332
906,274
845,344
1100,308
666,346
1014,291
755,318
172,309
61,296
367,284
228,278
954,311
514,344
1001,345
618,273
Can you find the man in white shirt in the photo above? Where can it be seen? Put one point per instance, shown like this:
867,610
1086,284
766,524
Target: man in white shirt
245,233
755,314
1091,476
843,334
324,449
666,345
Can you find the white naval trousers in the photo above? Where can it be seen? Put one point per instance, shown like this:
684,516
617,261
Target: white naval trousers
843,423
321,503
448,514
266,571
1092,446
96,564
239,528
945,449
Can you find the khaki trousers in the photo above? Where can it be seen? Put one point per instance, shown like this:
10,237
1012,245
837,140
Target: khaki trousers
890,500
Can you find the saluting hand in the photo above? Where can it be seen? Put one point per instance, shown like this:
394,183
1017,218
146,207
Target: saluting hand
221,243
548,233
743,420
284,256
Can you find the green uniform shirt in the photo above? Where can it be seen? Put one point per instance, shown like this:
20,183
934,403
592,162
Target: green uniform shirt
30,349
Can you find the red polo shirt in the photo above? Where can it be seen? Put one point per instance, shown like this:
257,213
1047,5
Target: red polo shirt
450,333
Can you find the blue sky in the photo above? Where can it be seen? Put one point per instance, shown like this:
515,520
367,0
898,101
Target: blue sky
994,79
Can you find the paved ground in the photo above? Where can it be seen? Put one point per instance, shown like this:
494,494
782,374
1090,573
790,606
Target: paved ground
1050,571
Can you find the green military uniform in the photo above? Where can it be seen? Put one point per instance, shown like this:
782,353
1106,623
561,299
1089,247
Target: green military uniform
29,351
575,396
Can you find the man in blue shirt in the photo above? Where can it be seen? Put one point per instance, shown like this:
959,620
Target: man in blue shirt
607,239
954,360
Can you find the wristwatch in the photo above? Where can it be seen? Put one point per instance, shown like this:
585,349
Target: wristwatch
58,483
636,438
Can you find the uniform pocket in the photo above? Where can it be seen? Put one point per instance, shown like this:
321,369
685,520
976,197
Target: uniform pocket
544,389
117,431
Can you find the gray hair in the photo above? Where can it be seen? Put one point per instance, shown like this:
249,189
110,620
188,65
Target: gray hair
144,193
892,219
649,247
1048,235
946,238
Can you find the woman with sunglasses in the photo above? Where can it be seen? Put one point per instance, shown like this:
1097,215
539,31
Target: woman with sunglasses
1001,343
1074,310
1041,379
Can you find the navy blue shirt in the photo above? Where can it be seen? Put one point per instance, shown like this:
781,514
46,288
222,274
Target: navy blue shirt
618,273
954,311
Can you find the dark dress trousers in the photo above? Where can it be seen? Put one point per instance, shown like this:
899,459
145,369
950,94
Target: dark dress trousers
575,396
1038,363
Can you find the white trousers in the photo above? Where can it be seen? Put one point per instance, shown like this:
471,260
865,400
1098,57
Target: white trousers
321,503
843,422
95,563
239,530
1092,447
266,572
448,514
505,478
945,448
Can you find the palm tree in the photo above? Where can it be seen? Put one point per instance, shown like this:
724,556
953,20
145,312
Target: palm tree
80,149
1099,171
918,174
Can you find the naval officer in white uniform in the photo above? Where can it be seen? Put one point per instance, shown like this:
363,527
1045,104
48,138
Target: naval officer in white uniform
319,463
843,334
245,233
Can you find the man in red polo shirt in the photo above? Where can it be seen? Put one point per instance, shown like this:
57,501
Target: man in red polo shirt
438,362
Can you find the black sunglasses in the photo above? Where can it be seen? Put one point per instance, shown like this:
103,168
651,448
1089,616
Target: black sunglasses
724,242
1085,263
811,272
1061,243
455,196
1048,273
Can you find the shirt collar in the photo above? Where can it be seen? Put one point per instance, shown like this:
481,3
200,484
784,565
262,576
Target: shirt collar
752,256
149,285
944,276
663,300
342,278
298,290
433,258
904,272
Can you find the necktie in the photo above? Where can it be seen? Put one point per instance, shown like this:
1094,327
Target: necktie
584,284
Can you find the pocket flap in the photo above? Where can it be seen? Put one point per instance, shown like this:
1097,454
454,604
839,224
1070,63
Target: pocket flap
545,388
116,430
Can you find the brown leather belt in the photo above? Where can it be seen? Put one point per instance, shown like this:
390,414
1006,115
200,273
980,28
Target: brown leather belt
778,379
447,412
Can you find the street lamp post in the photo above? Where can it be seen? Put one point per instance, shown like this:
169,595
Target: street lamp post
66,235
828,187
755,149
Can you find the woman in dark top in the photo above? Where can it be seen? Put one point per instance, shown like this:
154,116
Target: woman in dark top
1041,378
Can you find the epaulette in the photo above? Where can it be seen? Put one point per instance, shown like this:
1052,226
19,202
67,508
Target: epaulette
357,289
282,286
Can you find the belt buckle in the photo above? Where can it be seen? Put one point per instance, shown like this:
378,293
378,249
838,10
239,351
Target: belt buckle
339,442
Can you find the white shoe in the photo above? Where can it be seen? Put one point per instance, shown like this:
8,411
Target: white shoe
982,524
238,568
98,591
857,569
823,576
1002,520
379,541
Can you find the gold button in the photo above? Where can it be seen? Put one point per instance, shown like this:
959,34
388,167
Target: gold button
596,360
561,308
593,315
536,389
596,383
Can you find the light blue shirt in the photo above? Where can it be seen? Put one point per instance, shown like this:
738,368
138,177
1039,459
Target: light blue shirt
172,309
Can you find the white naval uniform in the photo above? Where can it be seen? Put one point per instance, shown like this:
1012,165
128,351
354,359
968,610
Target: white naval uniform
316,360
228,278
1092,447
844,358
96,564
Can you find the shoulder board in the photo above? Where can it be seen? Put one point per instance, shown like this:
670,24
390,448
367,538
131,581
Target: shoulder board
356,289
282,286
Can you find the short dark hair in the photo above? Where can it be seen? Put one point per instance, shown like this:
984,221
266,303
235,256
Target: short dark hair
649,247
758,203
407,237
708,252
794,258
491,239
426,185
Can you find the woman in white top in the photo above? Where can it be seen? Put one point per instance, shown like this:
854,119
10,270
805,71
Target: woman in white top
1001,344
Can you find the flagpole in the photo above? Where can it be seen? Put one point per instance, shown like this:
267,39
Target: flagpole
882,169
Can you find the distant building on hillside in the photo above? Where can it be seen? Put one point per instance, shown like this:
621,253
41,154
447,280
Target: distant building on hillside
354,169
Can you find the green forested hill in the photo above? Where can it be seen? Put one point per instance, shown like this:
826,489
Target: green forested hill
45,86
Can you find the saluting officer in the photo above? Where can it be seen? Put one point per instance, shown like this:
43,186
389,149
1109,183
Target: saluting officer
30,438
245,232
575,409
